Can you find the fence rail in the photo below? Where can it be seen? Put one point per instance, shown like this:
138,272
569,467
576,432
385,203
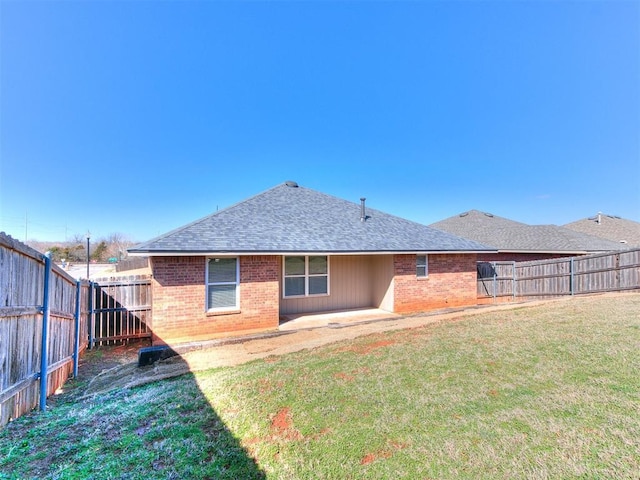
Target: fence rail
605,272
43,328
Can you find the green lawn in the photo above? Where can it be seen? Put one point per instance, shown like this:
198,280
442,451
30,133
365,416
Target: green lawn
550,391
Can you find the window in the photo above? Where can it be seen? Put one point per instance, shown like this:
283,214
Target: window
222,284
306,275
422,266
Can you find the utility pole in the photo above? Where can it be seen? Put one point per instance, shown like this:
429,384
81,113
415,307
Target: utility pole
88,256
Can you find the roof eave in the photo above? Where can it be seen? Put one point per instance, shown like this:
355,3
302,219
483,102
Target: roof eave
553,252
208,253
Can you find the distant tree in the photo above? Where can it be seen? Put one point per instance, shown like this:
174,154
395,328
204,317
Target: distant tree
75,250
118,244
99,253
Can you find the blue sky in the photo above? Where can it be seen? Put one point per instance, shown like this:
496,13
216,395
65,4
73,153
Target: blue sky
139,117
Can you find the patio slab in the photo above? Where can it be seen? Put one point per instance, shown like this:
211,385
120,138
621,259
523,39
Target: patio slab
334,319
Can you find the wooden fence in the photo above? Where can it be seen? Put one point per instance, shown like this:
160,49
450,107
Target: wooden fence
121,309
43,327
606,272
38,300
133,263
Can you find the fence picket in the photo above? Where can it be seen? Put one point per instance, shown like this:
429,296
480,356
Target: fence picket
604,272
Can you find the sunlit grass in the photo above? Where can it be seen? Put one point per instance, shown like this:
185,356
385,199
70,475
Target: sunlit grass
536,392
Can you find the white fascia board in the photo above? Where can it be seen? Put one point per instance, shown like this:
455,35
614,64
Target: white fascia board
245,254
548,252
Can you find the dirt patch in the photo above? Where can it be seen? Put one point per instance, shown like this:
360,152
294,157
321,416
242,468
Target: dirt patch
282,427
95,361
382,454
372,457
344,376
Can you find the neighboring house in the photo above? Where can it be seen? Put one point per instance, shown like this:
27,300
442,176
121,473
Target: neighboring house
294,250
609,227
515,241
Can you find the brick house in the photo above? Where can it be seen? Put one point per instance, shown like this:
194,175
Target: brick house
293,250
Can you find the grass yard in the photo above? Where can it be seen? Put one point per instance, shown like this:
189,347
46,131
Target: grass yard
550,391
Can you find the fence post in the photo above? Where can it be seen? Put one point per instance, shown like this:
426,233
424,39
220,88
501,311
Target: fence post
44,353
513,286
90,318
495,281
571,277
76,346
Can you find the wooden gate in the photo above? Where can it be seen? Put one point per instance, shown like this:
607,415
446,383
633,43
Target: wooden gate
121,309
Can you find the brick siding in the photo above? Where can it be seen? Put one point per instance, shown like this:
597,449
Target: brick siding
451,283
179,300
518,257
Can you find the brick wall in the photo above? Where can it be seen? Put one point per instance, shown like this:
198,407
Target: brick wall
451,283
517,257
179,300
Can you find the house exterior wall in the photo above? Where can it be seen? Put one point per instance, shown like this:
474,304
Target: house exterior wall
350,286
179,299
451,282
382,278
383,281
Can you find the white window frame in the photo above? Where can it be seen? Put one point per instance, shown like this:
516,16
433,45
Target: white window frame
306,276
425,265
236,283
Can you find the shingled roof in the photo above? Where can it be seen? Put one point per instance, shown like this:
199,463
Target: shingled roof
288,218
609,227
510,236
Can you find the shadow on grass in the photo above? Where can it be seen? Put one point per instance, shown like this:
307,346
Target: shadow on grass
165,429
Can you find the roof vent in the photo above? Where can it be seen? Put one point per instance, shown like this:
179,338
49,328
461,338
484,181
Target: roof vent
464,214
490,215
363,214
291,184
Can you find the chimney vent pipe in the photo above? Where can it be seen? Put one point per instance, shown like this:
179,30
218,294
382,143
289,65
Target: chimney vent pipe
363,215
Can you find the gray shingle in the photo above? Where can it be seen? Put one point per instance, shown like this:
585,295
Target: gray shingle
511,236
297,219
609,227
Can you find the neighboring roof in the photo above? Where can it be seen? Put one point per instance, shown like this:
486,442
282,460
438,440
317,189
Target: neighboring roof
288,218
510,236
609,227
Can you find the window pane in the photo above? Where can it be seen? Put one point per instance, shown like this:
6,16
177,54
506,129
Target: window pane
222,270
293,286
294,265
318,285
422,269
317,265
222,296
